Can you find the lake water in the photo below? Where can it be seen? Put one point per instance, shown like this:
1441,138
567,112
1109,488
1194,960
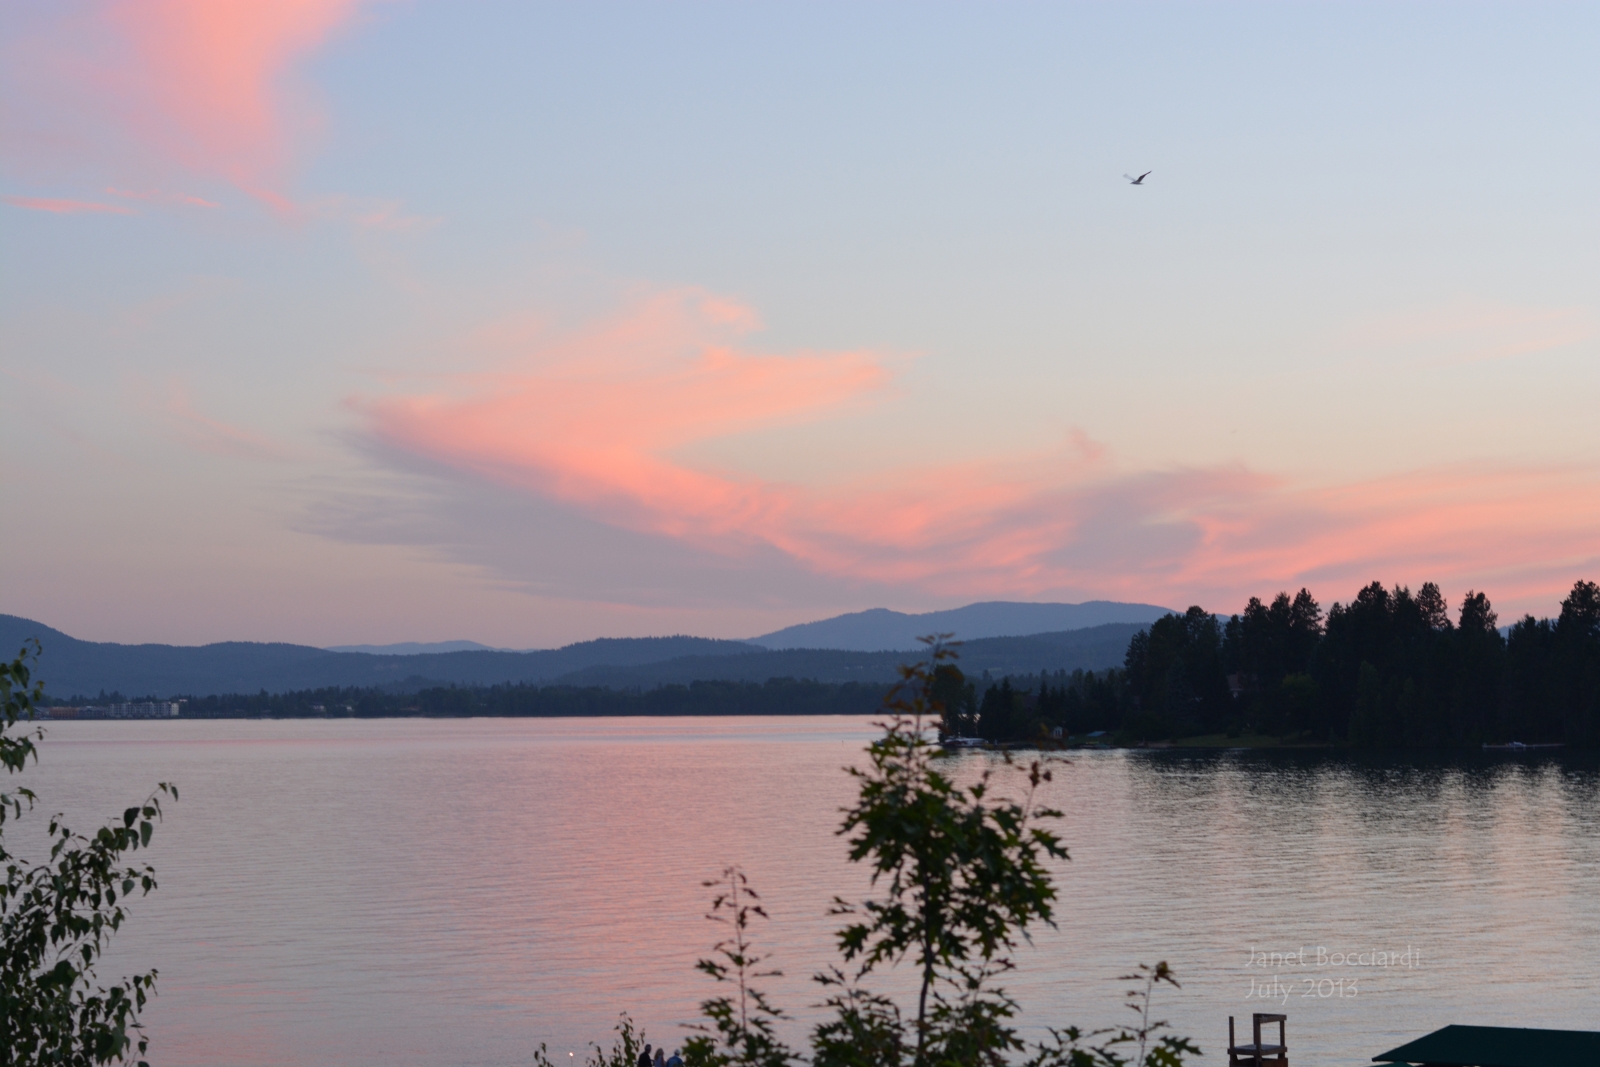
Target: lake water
425,892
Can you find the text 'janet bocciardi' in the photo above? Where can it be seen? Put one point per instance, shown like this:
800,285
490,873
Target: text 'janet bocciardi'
1338,971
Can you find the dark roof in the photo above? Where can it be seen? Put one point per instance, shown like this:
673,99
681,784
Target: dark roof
1499,1046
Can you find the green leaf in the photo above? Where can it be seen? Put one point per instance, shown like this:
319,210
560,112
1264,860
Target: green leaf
58,916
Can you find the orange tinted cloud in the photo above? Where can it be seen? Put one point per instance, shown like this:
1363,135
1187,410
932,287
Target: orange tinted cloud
66,207
600,423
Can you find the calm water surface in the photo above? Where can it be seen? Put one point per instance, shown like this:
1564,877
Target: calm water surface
454,892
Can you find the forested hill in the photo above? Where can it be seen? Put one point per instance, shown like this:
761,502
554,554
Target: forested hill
83,669
70,667
1093,648
794,682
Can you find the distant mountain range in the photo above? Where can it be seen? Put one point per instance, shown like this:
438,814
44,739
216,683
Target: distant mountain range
864,646
881,630
70,667
418,648
1092,648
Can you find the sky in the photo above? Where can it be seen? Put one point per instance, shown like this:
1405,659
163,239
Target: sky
334,321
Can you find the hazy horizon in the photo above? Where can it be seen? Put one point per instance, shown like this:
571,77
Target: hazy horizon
460,644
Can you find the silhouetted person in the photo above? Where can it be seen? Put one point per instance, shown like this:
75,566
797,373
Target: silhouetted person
661,1057
644,1058
676,1059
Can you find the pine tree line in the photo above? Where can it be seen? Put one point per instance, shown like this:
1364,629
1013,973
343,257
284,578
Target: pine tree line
1390,669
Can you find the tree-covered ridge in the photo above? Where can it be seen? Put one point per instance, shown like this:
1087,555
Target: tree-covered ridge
1390,669
75,670
776,696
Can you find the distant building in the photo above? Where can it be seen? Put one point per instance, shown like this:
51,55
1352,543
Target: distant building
152,710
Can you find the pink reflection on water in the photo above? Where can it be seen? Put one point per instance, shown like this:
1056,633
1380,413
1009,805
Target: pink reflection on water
455,892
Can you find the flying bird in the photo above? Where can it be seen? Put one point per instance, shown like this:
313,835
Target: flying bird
1140,179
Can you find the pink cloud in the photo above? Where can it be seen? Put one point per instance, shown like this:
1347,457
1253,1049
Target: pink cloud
592,422
599,423
1524,531
206,74
66,207
137,87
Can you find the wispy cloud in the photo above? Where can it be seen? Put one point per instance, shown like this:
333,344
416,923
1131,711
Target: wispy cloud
372,213
593,421
204,77
219,438
161,197
66,207
135,87
597,425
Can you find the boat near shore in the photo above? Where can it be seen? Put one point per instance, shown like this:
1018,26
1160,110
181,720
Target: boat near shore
963,742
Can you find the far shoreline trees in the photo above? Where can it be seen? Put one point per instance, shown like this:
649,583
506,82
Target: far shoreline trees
1389,670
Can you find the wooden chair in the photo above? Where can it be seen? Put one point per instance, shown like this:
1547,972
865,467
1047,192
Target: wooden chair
1257,1054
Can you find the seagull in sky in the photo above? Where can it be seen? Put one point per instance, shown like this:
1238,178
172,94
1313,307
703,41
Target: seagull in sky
1139,180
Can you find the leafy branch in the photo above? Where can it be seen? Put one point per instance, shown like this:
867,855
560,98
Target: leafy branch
742,1030
56,917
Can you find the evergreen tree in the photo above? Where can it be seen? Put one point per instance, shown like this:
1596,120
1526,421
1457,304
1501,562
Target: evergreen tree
1577,665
